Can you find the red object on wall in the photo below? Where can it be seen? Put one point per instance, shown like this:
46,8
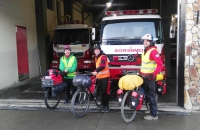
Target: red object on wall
22,50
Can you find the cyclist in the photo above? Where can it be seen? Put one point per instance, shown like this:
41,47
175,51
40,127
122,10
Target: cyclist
151,66
68,65
102,74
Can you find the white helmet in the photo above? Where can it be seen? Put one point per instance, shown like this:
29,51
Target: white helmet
147,37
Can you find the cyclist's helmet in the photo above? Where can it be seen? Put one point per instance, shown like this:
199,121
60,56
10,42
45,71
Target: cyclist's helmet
77,80
148,37
67,47
86,82
96,46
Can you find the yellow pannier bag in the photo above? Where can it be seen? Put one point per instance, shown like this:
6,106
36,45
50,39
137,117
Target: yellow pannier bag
129,82
159,76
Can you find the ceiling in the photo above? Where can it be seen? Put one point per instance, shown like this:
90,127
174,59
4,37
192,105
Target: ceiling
98,7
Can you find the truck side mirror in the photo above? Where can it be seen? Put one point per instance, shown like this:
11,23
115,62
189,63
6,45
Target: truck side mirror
93,34
172,31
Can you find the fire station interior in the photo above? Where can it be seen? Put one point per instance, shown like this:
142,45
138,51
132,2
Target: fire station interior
168,12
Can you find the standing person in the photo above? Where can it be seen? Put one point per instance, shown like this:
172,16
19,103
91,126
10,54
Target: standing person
151,66
102,74
68,65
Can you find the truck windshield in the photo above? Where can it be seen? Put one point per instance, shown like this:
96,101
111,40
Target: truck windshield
71,36
130,31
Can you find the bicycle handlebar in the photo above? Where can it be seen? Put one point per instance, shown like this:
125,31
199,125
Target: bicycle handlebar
89,73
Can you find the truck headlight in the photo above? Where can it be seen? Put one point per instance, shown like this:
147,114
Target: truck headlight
54,62
87,61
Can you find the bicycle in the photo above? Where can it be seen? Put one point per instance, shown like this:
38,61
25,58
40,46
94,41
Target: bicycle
81,99
128,107
48,84
142,89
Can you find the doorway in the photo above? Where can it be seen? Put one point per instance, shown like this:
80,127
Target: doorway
22,53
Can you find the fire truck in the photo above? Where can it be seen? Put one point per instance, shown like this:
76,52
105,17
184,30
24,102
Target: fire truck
78,36
120,38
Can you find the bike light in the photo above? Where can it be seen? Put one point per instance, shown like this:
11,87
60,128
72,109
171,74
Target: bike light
115,58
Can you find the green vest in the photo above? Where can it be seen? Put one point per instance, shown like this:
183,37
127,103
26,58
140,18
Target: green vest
69,64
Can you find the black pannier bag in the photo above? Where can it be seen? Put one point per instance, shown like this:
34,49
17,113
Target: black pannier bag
136,100
161,87
56,89
77,80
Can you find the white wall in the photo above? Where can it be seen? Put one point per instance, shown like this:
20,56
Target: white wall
16,13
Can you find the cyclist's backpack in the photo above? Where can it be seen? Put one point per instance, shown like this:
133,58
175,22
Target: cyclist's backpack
161,87
136,100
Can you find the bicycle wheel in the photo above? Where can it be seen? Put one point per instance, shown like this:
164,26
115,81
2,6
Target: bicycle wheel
80,102
127,113
51,102
98,98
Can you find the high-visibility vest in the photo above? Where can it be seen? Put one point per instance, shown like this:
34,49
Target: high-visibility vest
148,66
69,64
105,72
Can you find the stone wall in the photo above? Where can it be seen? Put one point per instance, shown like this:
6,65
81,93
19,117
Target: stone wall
192,56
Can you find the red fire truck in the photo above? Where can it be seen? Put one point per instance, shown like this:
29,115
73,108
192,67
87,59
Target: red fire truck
120,38
78,36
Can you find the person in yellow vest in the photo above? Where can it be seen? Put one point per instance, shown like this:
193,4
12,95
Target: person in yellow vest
68,65
102,74
151,66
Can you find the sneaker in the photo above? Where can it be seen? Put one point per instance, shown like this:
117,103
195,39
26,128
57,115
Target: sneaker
66,101
105,109
149,117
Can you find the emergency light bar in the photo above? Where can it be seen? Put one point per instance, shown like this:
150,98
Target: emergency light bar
131,12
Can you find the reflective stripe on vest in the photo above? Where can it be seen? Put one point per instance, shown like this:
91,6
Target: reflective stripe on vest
105,72
148,66
69,64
